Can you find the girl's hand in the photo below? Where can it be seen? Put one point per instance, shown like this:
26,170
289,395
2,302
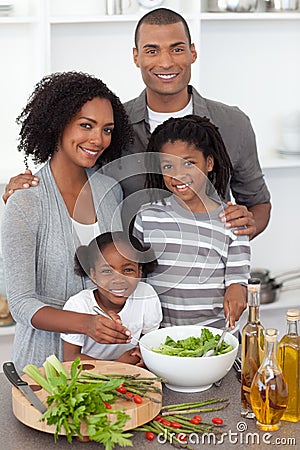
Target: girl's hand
108,331
235,301
129,357
21,181
137,352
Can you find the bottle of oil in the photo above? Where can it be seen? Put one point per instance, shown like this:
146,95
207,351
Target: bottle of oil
289,361
252,346
269,391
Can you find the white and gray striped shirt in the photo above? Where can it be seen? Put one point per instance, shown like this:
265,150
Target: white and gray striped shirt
198,258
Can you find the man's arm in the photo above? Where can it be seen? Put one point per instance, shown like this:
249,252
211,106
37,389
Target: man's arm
21,181
261,215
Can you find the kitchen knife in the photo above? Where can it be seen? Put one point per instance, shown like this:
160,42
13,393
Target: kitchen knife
13,376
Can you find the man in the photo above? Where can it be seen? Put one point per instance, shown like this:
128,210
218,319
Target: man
164,54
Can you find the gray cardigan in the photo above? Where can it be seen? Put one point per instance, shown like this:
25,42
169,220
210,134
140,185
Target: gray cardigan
38,246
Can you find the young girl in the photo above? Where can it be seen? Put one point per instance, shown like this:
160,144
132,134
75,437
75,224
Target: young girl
112,264
203,266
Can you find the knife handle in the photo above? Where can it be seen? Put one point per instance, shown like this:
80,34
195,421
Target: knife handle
13,376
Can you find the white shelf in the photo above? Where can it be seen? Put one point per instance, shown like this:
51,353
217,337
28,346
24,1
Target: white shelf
205,16
280,163
213,16
7,331
103,18
92,18
14,20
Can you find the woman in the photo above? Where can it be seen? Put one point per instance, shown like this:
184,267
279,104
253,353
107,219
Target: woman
71,122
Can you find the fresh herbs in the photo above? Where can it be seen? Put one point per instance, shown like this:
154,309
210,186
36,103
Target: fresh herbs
193,346
84,399
73,403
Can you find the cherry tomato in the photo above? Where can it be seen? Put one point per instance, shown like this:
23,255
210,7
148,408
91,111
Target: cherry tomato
137,399
198,418
108,406
130,394
195,421
217,420
161,419
175,425
122,389
181,437
149,435
157,418
165,422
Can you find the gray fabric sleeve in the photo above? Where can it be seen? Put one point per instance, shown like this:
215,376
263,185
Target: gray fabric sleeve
247,183
19,233
138,228
237,267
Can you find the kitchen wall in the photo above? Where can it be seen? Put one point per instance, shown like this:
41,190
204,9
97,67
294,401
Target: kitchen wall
278,248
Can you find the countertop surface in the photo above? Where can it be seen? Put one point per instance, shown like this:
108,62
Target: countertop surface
238,433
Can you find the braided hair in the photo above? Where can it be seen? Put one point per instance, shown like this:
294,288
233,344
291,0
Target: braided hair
194,130
56,99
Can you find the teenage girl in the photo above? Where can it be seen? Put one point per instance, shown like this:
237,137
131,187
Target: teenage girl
115,265
203,267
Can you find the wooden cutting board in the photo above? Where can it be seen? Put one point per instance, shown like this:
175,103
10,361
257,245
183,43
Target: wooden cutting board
139,414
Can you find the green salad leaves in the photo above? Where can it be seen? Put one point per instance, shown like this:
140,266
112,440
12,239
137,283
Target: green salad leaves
193,346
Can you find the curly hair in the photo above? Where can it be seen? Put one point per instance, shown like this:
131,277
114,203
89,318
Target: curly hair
56,99
161,16
194,130
87,255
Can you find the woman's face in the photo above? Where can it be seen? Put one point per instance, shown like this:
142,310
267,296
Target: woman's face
87,135
116,275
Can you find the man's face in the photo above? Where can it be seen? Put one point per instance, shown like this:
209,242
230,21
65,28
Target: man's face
164,57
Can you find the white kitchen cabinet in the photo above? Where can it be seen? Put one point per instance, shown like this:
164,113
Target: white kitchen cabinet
247,59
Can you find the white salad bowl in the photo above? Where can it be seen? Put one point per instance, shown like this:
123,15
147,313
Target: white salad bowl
186,374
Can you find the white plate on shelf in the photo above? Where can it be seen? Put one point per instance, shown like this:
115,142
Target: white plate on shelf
288,153
6,11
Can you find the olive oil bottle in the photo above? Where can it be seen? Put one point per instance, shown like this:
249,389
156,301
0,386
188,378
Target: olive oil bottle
289,361
252,346
269,390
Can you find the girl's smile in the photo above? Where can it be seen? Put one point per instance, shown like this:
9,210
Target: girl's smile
116,276
185,171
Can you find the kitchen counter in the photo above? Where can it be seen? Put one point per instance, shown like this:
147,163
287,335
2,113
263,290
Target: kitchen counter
241,433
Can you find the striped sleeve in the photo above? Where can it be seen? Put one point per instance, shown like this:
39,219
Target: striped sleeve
138,230
237,268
